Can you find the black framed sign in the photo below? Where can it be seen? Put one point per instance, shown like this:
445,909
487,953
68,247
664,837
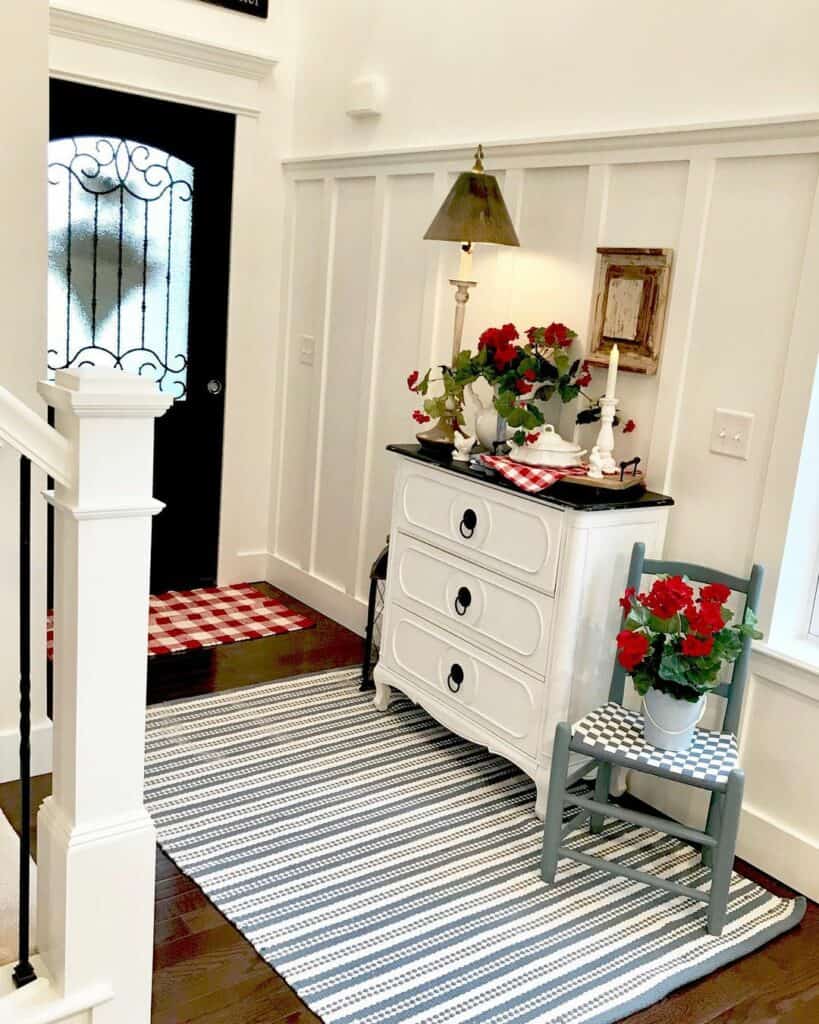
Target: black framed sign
258,8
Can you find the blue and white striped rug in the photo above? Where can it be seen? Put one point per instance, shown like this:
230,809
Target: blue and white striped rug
389,870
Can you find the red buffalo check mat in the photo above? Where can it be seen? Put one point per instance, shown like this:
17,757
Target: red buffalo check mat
531,479
183,620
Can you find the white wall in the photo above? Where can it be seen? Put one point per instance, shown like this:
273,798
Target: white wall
466,70
24,123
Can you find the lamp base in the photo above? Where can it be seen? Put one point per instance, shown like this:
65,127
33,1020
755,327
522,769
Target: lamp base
461,299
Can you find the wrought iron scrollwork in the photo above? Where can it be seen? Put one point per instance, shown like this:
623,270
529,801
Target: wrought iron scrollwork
119,250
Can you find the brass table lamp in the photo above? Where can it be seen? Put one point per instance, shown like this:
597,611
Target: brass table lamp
474,211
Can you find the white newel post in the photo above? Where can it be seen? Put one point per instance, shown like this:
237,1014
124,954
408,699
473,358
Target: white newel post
95,838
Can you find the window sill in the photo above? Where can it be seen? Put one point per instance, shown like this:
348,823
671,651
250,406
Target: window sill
802,656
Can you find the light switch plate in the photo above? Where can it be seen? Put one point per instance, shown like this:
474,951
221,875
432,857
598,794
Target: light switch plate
307,350
731,433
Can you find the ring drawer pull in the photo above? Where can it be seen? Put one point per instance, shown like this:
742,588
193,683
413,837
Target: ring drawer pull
455,678
463,599
469,520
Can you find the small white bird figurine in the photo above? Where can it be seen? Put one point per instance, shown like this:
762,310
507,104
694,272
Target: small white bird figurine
464,444
595,464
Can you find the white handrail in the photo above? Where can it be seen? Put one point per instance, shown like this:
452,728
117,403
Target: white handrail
24,430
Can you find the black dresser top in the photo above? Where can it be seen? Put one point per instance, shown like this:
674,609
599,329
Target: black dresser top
562,495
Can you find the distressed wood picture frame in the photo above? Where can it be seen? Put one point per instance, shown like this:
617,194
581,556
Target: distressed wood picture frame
630,300
256,8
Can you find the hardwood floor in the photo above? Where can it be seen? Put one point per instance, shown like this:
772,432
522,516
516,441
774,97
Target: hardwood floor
205,972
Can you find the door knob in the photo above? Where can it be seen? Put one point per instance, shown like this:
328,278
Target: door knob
215,387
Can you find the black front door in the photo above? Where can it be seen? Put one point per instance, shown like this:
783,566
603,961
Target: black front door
139,240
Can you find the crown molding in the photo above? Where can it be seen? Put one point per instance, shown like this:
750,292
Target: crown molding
69,23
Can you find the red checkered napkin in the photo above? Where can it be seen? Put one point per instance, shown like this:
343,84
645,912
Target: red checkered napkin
183,620
531,479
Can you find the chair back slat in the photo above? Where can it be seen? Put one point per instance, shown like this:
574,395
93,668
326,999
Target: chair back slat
696,573
733,691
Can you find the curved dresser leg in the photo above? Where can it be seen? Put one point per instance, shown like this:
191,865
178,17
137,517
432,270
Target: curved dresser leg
383,696
542,785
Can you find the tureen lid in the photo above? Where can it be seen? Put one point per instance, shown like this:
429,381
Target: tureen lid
551,441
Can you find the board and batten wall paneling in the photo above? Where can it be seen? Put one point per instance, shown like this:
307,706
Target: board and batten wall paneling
736,208
780,820
345,383
297,429
754,247
402,345
645,208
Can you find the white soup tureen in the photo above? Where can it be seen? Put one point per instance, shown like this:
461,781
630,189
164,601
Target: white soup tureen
550,449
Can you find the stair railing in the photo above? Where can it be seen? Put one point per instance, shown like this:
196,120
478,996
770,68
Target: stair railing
96,842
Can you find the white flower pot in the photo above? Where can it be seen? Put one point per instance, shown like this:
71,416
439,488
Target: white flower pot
669,723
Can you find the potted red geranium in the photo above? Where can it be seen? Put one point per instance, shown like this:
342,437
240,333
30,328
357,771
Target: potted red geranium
674,645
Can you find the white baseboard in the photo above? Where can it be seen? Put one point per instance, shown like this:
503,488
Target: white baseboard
242,567
40,751
318,593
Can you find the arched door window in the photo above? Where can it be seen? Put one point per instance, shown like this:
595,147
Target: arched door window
119,244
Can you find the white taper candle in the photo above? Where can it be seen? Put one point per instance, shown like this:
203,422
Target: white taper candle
611,380
465,268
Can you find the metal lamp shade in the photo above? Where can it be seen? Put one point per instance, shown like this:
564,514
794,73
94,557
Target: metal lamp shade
474,211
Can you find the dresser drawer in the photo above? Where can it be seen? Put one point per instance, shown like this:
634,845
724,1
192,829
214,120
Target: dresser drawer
505,618
511,535
477,686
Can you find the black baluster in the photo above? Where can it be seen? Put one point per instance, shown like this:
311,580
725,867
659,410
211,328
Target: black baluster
24,972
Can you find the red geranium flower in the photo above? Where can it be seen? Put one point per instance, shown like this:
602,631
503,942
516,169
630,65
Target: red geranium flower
669,596
504,356
412,380
631,648
706,619
629,426
530,375
531,334
522,387
697,647
557,335
531,438
509,332
585,377
625,600
716,592
420,417
491,336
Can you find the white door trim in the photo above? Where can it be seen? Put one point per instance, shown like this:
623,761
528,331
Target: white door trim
111,55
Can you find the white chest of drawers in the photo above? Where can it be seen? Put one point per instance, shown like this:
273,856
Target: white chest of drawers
501,608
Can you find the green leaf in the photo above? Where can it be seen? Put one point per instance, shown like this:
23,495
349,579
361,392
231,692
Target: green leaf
568,392
638,614
672,625
642,680
519,437
673,666
749,624
545,393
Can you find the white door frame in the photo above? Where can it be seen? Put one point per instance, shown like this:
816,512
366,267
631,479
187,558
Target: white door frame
112,55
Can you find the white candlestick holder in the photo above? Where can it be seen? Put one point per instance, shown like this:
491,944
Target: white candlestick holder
605,439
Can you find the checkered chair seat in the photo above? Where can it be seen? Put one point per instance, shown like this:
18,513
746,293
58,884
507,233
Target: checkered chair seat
618,732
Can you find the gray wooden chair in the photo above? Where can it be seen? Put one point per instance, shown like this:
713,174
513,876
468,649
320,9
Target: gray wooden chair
612,735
